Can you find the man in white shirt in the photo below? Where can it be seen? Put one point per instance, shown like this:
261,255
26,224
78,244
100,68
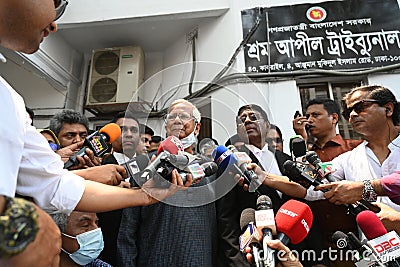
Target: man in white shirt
30,167
252,125
373,111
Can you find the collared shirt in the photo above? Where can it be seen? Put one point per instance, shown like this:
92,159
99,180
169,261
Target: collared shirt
266,158
361,164
335,147
28,165
121,158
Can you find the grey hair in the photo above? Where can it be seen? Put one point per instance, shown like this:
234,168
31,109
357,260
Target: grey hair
67,116
61,219
195,112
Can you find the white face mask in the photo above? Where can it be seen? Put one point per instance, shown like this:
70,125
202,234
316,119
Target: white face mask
190,139
90,245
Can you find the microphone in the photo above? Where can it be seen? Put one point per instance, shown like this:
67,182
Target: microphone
225,159
97,142
265,220
385,244
172,144
314,160
200,171
164,164
363,256
209,168
341,240
206,146
133,166
298,148
250,236
301,173
305,176
293,222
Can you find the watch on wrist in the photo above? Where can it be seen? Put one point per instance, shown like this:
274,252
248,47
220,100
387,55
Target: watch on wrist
369,193
18,226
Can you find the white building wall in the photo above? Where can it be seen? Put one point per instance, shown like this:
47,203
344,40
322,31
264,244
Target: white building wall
217,40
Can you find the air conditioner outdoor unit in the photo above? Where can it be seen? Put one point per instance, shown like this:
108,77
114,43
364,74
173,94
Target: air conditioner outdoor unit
115,75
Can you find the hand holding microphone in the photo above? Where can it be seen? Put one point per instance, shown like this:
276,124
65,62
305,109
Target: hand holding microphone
314,160
171,156
293,223
347,193
265,220
226,159
249,240
97,142
287,257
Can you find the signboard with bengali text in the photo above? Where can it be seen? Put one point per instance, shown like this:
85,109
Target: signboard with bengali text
335,35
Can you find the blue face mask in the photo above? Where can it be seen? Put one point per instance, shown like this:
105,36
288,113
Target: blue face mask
90,245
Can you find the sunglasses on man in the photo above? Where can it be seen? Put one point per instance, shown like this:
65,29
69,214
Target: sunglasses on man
252,117
359,107
60,6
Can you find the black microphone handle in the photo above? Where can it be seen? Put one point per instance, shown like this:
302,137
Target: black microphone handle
330,178
370,206
254,182
72,161
283,238
247,179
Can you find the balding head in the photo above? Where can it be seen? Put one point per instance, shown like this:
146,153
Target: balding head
24,23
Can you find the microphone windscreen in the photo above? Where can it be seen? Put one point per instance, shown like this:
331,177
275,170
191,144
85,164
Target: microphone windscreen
339,236
247,216
294,219
209,168
223,157
112,130
291,170
312,158
264,202
370,224
171,144
298,146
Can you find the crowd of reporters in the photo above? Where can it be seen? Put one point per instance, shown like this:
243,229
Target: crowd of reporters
177,209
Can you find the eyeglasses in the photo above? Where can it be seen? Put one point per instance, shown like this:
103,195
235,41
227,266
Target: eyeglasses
252,117
54,146
276,140
358,107
184,117
60,5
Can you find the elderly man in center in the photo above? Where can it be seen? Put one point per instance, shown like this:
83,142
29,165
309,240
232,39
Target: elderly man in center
179,231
